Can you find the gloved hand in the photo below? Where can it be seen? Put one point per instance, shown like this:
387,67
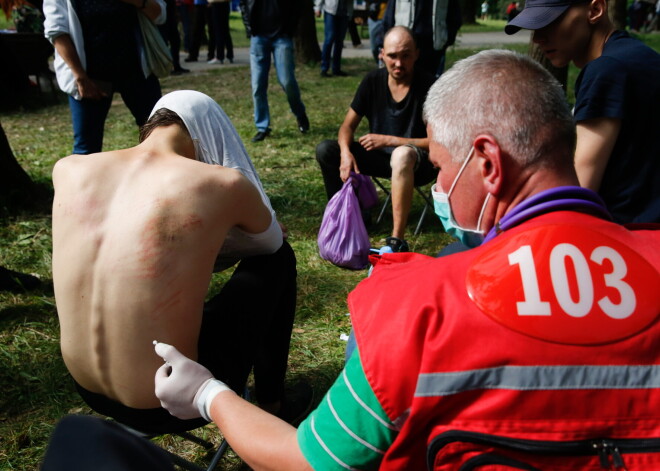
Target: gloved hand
185,388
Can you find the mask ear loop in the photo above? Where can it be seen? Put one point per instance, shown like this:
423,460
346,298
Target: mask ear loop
465,162
481,214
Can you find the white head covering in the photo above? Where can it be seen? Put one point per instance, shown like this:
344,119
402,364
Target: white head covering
217,143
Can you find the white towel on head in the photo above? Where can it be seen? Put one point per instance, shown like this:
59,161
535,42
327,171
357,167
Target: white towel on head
217,143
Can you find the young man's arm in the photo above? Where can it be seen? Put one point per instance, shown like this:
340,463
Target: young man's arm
345,139
595,142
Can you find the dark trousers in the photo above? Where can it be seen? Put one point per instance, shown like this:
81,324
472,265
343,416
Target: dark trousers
84,443
375,163
88,116
201,18
170,32
247,326
220,22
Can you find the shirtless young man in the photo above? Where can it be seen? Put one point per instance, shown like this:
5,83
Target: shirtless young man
136,233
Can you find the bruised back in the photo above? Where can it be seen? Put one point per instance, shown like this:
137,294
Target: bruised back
134,240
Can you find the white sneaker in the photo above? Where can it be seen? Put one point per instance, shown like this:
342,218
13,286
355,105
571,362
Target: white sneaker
215,61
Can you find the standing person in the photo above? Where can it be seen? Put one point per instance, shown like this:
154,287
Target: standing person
491,348
170,32
396,146
270,25
512,10
336,14
201,18
220,20
616,96
97,53
136,234
376,10
434,23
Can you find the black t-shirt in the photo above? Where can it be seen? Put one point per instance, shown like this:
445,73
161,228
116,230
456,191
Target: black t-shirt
374,101
624,83
267,18
110,30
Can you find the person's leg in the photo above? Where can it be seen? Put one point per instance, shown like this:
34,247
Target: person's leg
353,32
226,32
249,324
328,40
375,163
218,33
210,55
184,16
375,31
88,119
285,66
140,97
260,51
403,161
81,442
328,158
341,25
197,28
278,287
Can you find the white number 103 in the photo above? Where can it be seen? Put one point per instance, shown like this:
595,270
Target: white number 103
534,306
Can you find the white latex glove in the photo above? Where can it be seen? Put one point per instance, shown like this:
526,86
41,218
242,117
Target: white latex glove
185,388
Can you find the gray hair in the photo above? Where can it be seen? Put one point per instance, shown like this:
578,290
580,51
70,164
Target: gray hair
508,96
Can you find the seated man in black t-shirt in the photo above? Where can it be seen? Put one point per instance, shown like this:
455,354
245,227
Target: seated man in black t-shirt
396,146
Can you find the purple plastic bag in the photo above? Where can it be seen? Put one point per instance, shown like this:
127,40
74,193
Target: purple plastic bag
365,189
343,239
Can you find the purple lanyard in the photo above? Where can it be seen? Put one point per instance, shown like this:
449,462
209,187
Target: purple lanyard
563,198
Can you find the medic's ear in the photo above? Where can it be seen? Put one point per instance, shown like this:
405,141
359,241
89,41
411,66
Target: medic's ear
489,157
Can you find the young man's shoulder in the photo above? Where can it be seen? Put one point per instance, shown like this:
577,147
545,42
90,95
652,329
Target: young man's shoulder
622,47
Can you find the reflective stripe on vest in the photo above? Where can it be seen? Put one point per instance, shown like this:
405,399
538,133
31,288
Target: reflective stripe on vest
537,378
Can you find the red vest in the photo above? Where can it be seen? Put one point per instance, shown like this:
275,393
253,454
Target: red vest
548,332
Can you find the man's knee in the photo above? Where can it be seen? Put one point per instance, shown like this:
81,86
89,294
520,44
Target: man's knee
403,159
327,153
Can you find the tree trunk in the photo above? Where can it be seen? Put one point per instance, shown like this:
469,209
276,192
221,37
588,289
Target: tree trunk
561,73
469,11
305,42
14,182
618,13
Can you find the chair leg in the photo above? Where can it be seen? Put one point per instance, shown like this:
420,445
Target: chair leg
181,463
387,199
218,454
428,203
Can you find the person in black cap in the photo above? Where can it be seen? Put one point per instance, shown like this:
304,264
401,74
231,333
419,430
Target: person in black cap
615,98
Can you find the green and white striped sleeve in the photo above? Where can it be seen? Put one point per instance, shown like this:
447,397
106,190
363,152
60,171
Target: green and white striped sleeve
349,429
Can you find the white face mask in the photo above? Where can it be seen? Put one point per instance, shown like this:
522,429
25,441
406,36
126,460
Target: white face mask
442,207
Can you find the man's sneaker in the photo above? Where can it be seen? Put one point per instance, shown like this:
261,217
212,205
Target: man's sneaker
261,135
324,73
303,124
215,61
297,403
397,245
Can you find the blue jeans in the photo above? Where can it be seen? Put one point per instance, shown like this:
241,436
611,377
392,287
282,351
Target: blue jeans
281,48
335,31
376,33
88,116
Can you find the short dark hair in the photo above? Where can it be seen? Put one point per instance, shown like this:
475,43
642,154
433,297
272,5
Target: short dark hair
162,117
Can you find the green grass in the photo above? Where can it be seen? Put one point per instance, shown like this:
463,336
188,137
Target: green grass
36,388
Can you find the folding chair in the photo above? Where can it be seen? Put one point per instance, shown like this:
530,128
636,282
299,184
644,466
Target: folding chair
419,189
181,462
